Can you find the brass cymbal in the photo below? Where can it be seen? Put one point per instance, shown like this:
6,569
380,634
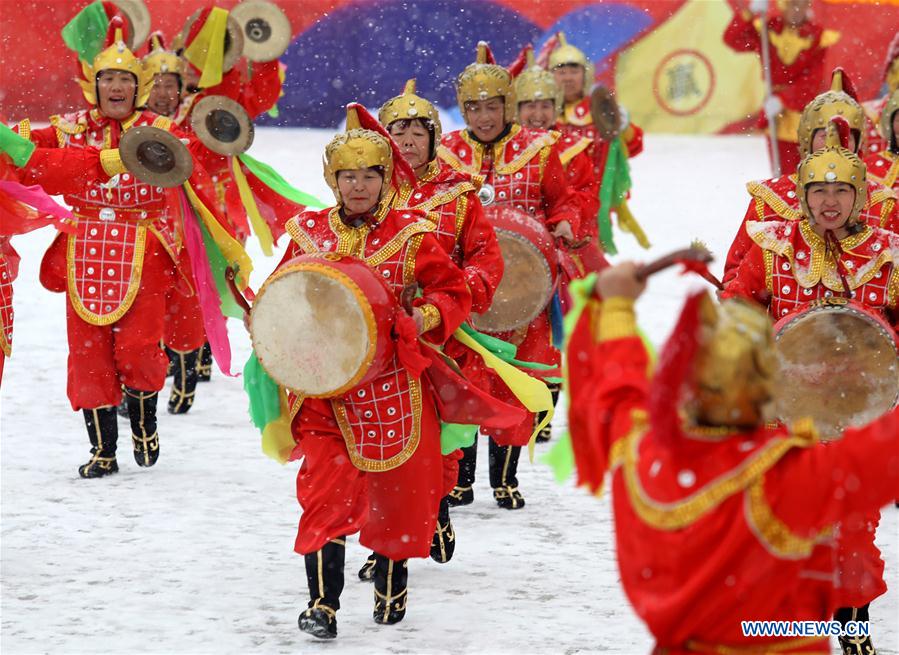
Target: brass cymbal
155,156
222,125
266,30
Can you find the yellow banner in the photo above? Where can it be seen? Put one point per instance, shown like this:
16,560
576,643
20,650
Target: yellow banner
683,78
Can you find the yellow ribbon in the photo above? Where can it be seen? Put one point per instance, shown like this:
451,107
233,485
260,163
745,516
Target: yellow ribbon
207,51
530,392
231,249
260,227
277,439
628,223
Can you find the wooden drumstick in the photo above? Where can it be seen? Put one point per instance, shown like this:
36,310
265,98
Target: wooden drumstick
238,296
694,253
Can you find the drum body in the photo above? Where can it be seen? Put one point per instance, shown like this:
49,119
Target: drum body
839,365
321,325
529,275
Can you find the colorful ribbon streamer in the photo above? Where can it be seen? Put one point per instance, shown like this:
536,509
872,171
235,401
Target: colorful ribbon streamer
260,227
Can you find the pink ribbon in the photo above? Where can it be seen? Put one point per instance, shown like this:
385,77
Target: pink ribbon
210,303
35,197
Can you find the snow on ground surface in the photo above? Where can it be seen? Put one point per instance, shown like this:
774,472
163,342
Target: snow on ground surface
196,554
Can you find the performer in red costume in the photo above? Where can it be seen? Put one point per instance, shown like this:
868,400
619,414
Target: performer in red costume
539,100
521,169
778,199
359,474
450,198
709,528
22,210
818,257
116,268
185,333
796,46
877,141
573,73
884,165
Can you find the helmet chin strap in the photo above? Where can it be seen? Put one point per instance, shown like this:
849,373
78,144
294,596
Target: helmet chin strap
832,243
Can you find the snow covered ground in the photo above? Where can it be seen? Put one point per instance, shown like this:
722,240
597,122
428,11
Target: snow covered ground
195,555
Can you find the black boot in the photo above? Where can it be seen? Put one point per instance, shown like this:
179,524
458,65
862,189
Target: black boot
122,409
184,383
546,431
443,543
463,492
204,364
503,470
103,431
324,574
367,572
144,438
390,590
860,645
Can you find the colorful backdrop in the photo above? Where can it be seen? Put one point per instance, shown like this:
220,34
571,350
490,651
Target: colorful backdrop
665,57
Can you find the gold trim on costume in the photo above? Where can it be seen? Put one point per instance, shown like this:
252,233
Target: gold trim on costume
681,513
432,317
397,241
137,265
775,535
616,319
767,195
298,234
573,151
25,128
461,214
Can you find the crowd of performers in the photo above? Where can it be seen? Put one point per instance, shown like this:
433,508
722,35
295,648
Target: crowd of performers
710,489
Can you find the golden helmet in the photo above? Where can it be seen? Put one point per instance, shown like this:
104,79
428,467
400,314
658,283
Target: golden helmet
116,56
565,53
834,163
485,79
159,60
535,83
735,365
409,106
838,101
886,122
360,146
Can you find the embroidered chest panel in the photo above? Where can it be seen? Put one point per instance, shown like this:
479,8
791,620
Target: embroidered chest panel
6,311
446,206
379,421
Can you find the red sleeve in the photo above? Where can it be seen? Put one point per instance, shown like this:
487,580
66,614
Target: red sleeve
741,245
585,189
443,286
749,281
44,137
635,143
558,201
839,480
62,171
262,91
741,35
482,261
607,382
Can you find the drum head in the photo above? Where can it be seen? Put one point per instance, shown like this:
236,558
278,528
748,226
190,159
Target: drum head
525,289
313,331
839,366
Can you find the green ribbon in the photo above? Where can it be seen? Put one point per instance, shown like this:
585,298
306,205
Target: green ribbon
456,435
616,182
503,349
273,180
262,392
15,145
218,264
85,34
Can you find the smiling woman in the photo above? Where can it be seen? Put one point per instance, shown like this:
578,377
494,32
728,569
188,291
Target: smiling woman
116,93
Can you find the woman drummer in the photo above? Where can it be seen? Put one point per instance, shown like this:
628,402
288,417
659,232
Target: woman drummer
372,460
829,253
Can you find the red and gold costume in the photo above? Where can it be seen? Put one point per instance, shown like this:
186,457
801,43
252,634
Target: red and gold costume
404,451
790,266
526,174
884,165
372,457
778,198
709,528
797,57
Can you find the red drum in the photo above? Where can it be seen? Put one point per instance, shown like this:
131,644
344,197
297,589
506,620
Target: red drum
321,325
839,365
529,277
